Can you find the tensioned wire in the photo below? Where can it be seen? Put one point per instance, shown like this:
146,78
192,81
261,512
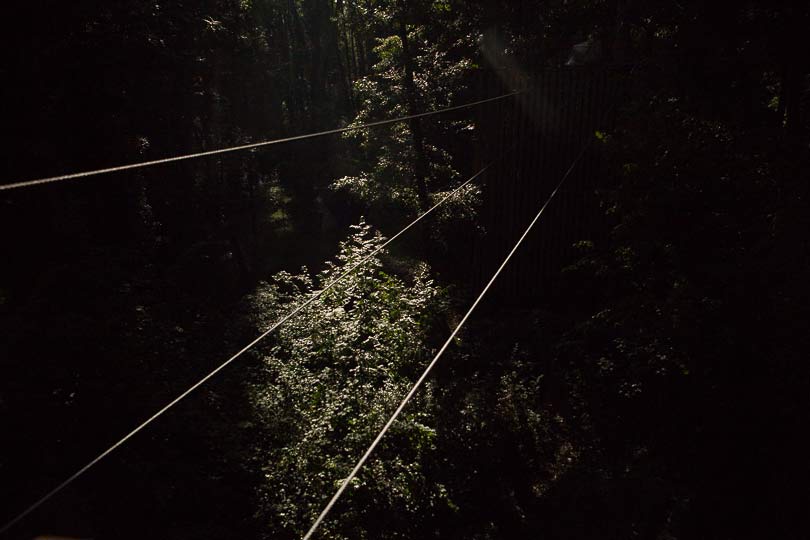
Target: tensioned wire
344,484
246,348
143,164
438,355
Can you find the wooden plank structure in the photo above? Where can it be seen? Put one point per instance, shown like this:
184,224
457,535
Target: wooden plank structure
547,128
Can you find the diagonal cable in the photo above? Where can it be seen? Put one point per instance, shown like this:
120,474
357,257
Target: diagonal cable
142,164
430,366
433,362
246,348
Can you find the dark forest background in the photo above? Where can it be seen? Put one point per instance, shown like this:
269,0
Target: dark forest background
659,388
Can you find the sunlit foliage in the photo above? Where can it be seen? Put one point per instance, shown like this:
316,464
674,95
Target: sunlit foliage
328,383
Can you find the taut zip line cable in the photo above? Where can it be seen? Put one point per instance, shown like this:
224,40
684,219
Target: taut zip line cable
247,347
140,165
444,347
433,362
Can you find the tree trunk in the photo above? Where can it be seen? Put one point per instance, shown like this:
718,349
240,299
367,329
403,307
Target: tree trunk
420,162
